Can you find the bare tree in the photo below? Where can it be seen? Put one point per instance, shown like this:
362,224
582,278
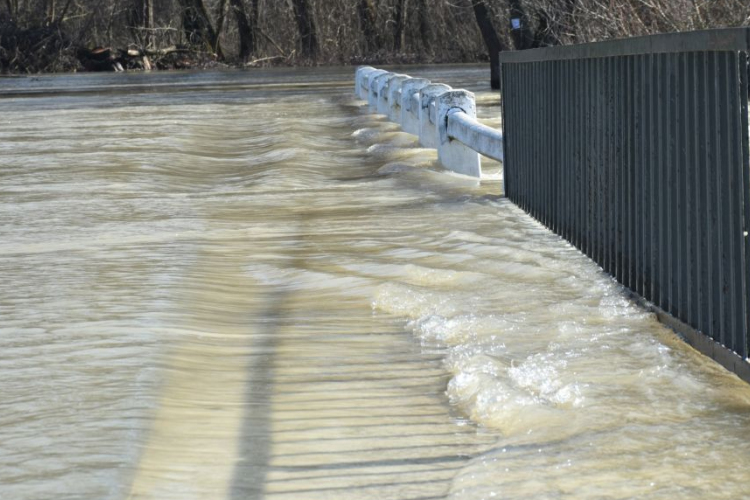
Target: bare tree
221,15
142,22
425,32
303,14
519,26
491,40
45,35
196,25
399,23
366,13
244,29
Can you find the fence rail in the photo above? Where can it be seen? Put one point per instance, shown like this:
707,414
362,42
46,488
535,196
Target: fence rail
636,151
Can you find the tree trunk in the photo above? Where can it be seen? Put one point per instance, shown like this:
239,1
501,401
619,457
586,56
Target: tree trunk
306,26
366,14
254,20
244,29
221,15
197,26
148,22
425,32
141,19
399,21
519,26
491,40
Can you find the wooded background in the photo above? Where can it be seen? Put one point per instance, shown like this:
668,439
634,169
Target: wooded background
57,35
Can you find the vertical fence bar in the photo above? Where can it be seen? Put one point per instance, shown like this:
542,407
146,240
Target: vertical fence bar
540,181
544,174
641,218
517,106
554,153
505,89
683,242
649,173
721,224
732,206
696,182
520,173
629,172
619,208
674,183
662,189
569,146
600,167
609,194
744,167
713,228
705,190
636,160
586,209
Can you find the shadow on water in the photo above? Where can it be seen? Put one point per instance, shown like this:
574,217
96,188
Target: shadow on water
254,451
248,479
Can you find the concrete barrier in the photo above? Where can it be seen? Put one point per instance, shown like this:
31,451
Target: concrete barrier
443,118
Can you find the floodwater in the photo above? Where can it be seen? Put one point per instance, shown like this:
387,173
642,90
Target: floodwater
243,285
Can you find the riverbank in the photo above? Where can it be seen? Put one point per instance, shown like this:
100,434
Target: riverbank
107,59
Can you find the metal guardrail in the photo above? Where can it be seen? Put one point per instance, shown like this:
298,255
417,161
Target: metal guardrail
636,151
443,118
488,143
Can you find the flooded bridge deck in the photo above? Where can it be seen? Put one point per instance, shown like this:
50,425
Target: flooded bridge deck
243,285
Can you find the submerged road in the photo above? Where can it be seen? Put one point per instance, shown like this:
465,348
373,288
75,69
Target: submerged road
230,285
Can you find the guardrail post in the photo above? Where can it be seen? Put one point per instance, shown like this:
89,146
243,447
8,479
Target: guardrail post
453,154
394,105
361,73
374,82
383,87
427,129
409,112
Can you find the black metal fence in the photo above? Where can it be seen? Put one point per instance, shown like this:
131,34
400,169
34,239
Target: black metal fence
636,151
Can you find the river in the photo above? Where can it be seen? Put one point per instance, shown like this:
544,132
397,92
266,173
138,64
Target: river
243,285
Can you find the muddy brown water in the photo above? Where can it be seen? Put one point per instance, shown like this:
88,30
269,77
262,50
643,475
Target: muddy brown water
244,285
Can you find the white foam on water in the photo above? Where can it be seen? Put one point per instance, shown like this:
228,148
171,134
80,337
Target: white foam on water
546,350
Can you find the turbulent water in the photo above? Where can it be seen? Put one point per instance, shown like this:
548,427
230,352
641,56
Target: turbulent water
244,285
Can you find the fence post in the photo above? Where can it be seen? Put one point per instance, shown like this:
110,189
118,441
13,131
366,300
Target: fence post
427,129
453,154
410,113
374,83
394,105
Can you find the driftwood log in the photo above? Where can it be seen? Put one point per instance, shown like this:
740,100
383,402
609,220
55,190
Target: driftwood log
108,59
